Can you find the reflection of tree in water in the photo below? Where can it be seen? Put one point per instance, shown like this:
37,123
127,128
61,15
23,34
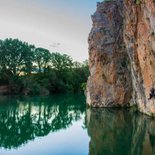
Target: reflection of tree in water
24,119
120,132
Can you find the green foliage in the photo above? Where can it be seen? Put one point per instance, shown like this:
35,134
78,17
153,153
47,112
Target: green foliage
83,86
29,70
134,108
138,2
15,57
42,59
61,62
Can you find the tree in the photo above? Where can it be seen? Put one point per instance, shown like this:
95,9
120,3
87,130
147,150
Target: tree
77,64
61,74
42,59
16,57
61,62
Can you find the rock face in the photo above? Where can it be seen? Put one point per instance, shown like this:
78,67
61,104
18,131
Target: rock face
107,86
139,36
122,55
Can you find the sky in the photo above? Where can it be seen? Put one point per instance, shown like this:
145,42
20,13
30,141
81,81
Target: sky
58,25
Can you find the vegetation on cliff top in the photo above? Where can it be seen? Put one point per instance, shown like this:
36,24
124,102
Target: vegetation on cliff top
30,70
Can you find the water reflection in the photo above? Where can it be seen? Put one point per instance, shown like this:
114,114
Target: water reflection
120,132
111,132
23,119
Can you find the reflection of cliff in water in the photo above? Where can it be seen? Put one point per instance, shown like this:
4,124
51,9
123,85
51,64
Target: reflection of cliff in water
23,119
120,132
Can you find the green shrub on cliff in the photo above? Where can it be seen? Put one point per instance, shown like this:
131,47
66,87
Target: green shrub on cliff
138,2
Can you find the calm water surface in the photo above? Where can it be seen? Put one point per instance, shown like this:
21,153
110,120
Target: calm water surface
62,125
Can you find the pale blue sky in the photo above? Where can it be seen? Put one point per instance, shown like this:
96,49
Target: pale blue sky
58,25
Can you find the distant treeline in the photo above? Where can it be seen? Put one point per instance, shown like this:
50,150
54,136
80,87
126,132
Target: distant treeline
28,70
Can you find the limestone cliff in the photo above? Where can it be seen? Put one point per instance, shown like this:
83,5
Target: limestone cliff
140,44
107,86
122,55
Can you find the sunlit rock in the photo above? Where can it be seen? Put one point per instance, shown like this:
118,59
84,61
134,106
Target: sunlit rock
122,55
139,37
110,83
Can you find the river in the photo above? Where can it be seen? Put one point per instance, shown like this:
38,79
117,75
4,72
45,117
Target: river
62,125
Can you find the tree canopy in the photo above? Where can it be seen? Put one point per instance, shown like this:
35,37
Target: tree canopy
42,58
16,56
27,69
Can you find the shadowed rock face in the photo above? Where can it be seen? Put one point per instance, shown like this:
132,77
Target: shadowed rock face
120,132
122,55
107,86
